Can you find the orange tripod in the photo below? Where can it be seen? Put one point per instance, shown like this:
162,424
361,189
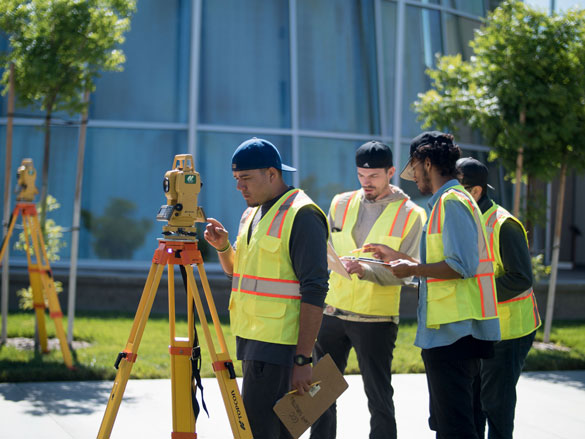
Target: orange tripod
40,275
184,253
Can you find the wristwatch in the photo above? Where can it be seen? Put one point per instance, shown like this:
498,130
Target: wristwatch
301,360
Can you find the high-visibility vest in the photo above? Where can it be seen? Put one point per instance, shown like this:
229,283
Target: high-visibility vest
356,295
518,316
265,300
453,300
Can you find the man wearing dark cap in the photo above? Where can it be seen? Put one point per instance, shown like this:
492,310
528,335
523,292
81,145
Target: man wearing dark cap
457,312
279,282
363,312
517,308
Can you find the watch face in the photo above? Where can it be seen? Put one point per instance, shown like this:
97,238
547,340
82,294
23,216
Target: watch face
301,360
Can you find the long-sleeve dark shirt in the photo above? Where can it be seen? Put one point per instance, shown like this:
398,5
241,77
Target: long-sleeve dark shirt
309,263
516,259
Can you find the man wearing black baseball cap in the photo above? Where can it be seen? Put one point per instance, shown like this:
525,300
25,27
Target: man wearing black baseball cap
363,312
457,311
519,317
279,282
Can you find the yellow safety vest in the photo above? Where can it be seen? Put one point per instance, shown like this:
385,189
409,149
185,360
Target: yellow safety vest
356,295
265,300
518,316
453,300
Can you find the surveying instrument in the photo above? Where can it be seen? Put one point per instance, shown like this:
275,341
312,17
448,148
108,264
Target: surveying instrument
179,247
39,272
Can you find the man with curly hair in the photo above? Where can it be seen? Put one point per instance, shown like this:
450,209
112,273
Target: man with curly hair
457,312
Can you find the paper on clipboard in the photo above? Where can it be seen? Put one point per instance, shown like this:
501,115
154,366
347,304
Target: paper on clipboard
334,263
298,413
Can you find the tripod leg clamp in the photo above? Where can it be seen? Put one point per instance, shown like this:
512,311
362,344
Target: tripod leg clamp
129,356
178,435
222,365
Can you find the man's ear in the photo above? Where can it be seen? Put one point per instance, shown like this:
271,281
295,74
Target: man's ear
427,165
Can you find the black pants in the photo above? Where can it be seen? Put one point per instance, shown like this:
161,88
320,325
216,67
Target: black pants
452,396
263,385
499,376
374,344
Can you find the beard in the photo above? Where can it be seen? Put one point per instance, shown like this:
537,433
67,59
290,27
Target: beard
424,186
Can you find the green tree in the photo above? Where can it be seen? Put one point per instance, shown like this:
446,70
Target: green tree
524,89
58,48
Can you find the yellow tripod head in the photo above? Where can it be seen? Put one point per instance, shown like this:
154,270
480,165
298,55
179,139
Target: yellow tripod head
26,175
181,185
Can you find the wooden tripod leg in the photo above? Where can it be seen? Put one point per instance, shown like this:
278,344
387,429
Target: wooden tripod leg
222,363
48,287
126,358
36,284
181,349
6,239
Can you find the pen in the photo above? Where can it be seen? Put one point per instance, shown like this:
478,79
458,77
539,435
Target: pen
312,385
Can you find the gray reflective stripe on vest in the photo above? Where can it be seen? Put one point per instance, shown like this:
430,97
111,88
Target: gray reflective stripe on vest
341,209
278,220
285,289
401,220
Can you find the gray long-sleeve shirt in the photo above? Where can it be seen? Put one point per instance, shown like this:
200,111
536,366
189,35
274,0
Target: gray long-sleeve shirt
368,214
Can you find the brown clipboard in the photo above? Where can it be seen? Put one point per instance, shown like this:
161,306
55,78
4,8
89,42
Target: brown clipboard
297,412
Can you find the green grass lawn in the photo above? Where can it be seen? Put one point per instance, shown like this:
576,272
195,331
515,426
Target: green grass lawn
107,335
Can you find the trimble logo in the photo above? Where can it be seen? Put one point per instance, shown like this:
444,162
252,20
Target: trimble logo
238,411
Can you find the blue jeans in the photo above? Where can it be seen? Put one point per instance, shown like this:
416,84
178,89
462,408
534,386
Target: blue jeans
499,376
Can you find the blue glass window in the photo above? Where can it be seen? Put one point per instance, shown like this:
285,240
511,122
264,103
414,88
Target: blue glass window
154,85
459,32
123,191
28,142
337,66
423,41
245,69
327,167
475,7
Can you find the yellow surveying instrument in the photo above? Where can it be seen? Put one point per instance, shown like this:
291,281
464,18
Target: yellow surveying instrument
39,272
179,247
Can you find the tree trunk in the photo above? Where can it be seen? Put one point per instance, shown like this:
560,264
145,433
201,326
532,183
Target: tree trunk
46,158
550,304
519,169
76,221
7,189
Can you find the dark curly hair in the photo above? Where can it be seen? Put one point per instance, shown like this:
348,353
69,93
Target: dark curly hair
442,154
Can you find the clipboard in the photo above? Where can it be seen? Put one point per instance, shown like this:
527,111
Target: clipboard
334,263
298,413
370,261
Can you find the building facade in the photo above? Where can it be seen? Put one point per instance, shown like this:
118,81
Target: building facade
316,77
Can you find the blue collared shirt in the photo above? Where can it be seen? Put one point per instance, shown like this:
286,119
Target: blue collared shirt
461,254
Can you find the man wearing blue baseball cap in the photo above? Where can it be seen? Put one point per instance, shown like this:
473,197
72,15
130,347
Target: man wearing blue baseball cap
279,281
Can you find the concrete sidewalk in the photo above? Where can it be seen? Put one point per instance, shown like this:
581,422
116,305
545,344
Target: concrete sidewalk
550,405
